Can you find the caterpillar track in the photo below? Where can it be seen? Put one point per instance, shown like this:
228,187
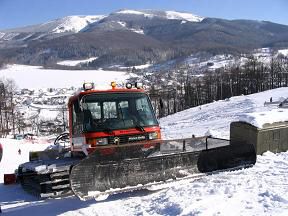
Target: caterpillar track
91,178
94,176
156,186
47,179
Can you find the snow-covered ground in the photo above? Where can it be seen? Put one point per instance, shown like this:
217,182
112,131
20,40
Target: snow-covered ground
283,52
215,118
11,158
76,62
137,66
221,61
260,190
36,77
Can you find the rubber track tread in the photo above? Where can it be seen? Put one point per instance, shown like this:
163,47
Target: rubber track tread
90,175
46,185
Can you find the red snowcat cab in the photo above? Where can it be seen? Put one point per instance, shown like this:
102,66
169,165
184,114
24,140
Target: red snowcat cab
116,146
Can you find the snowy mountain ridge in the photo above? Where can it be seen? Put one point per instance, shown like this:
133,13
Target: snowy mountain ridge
20,37
48,30
156,36
164,14
75,23
66,24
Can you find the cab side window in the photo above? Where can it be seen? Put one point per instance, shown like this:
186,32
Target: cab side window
77,118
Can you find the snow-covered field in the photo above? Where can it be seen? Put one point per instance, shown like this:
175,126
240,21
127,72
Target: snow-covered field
260,190
283,52
76,62
36,77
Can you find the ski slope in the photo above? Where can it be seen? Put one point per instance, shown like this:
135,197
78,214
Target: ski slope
260,190
214,118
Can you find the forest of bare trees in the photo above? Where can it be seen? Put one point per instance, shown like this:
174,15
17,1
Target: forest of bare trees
10,119
252,77
13,120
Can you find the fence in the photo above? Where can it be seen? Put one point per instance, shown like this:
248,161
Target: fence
192,144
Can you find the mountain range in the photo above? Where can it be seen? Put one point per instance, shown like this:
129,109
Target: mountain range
135,37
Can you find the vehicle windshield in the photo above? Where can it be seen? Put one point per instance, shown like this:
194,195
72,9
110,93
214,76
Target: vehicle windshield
106,112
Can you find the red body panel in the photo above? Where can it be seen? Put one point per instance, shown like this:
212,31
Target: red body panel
122,132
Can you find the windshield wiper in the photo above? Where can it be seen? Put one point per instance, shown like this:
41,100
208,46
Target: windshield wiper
139,127
108,130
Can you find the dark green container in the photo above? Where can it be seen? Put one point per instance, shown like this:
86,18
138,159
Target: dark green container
272,137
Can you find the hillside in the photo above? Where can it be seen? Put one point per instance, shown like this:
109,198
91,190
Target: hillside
224,193
136,37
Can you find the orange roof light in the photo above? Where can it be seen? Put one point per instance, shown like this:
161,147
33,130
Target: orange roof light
113,85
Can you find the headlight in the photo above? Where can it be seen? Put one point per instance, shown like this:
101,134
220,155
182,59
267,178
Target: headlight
128,85
101,141
88,86
139,85
153,135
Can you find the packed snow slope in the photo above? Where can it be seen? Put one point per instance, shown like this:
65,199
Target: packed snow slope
260,190
214,118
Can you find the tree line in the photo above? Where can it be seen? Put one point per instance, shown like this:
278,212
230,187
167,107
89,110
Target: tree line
11,119
238,79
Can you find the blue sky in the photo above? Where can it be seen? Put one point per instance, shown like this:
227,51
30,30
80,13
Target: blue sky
16,13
